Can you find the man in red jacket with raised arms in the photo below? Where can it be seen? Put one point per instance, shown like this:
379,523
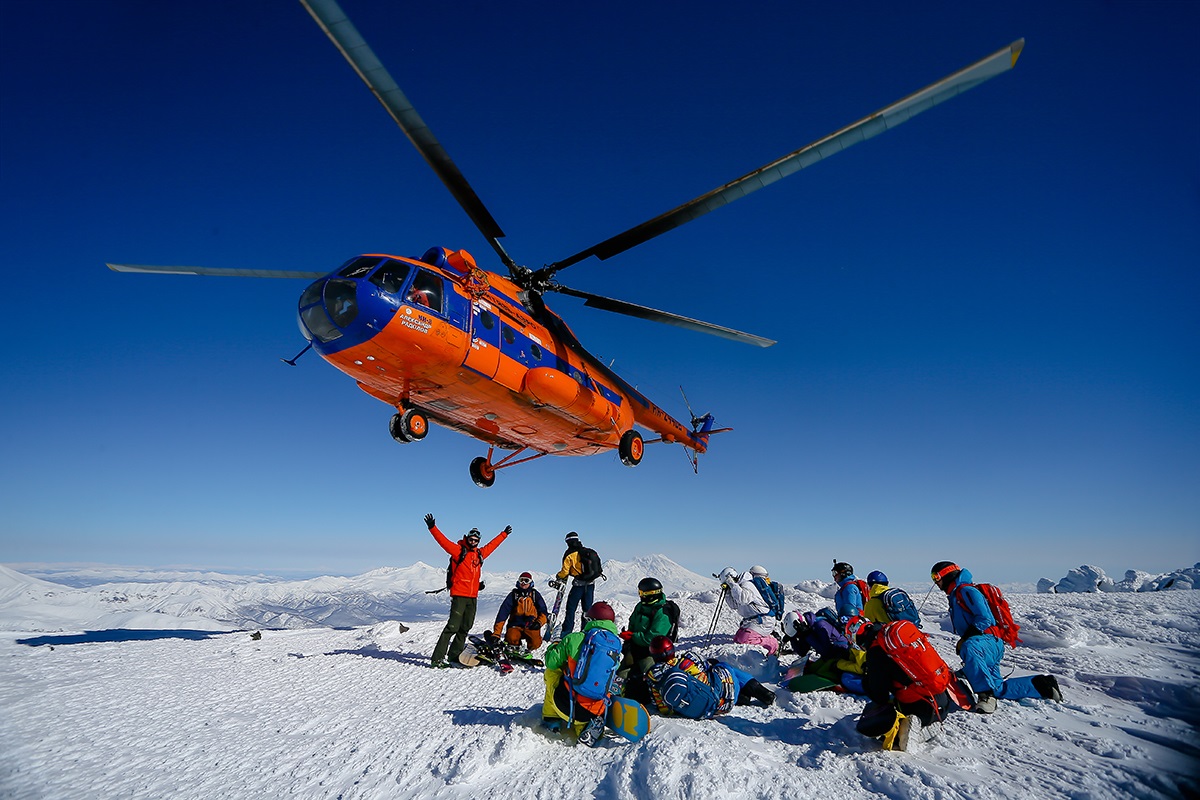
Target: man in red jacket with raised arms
466,566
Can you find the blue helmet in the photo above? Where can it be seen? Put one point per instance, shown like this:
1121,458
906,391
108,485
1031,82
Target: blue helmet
876,577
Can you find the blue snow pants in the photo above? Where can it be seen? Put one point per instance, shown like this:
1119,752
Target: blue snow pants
981,664
580,594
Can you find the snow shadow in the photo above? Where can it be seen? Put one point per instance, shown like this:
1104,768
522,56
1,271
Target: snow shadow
486,715
373,651
120,635
1156,698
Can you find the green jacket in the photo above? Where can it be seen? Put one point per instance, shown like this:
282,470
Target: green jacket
647,621
558,653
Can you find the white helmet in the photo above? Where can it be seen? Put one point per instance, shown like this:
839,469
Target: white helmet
758,570
727,575
790,623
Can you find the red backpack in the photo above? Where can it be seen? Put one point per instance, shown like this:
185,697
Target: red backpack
1006,628
913,653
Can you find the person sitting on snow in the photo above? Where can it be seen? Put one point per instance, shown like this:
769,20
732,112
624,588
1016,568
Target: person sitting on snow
525,612
650,618
809,632
758,624
686,684
562,703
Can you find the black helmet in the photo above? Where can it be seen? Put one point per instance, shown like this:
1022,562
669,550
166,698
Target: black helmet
662,648
841,569
647,587
944,573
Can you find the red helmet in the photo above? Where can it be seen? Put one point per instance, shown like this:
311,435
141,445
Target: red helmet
662,648
601,610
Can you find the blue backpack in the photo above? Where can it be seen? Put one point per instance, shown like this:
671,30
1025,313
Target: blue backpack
899,605
596,666
772,593
684,693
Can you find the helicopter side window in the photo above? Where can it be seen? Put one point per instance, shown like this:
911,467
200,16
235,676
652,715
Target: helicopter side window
391,276
358,267
535,350
426,291
487,319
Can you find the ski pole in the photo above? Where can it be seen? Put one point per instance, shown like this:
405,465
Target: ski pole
712,626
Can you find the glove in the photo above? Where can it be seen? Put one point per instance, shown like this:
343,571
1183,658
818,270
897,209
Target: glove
429,523
507,529
626,635
553,584
494,634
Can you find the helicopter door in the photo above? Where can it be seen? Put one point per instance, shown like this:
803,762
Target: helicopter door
484,354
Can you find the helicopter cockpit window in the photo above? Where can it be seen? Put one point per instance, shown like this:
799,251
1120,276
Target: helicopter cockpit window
341,301
358,267
391,276
426,291
312,294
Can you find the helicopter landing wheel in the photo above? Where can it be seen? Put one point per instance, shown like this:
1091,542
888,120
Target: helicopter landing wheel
482,472
396,429
414,424
409,425
631,448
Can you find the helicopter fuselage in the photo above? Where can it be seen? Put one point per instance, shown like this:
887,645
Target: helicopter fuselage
441,335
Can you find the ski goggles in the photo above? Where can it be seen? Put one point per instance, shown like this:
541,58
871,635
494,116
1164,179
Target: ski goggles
524,581
940,575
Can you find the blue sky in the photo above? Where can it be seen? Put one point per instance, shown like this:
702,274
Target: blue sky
987,318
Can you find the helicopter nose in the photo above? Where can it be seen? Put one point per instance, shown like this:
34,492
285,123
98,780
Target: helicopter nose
327,308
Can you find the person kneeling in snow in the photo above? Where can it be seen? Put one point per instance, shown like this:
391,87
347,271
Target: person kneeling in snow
758,623
905,679
525,611
570,697
980,647
690,686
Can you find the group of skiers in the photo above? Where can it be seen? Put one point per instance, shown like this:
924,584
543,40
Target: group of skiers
869,644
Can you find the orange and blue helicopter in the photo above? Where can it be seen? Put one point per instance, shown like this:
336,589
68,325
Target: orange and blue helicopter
443,340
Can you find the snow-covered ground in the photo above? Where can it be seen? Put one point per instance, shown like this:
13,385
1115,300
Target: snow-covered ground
185,707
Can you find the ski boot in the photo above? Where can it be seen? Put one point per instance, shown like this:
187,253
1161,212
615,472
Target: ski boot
1047,686
593,732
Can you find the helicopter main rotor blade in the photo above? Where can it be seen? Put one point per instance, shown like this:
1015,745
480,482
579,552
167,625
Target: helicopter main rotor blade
872,125
654,315
221,272
341,31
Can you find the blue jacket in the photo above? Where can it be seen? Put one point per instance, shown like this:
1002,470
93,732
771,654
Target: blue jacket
848,601
977,614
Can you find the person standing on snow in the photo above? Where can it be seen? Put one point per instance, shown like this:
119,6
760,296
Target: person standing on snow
852,591
981,650
525,612
582,565
466,567
758,623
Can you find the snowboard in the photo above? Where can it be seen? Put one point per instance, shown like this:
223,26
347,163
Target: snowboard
812,683
501,653
552,619
628,719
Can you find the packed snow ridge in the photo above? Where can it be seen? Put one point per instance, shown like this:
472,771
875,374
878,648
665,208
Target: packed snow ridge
1088,578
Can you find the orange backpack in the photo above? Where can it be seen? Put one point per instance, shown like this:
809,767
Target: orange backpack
913,653
1006,628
